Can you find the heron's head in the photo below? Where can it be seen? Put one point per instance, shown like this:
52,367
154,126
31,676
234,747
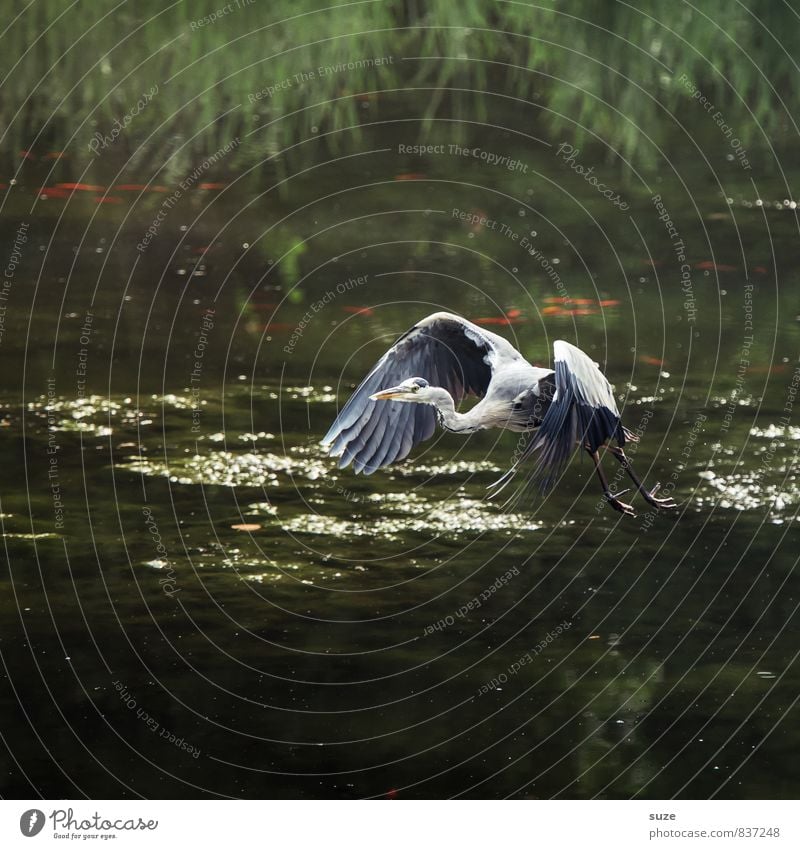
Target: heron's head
414,389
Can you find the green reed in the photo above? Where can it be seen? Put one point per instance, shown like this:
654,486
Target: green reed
591,69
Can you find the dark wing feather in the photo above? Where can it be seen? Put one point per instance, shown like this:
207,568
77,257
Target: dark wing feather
583,411
446,350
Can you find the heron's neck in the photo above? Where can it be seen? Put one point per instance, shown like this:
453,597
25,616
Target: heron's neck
446,412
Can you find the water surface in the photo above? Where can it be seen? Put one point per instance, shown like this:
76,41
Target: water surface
197,602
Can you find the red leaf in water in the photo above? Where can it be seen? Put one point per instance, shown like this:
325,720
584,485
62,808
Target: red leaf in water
478,219
26,154
776,369
759,269
159,189
552,311
611,303
708,265
582,301
556,300
650,361
212,186
582,311
359,310
50,192
514,313
80,187
412,176
391,794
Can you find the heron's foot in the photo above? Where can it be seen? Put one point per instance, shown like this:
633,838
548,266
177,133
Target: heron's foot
660,503
620,506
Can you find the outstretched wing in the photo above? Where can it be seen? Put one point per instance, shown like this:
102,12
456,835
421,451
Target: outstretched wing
446,350
583,411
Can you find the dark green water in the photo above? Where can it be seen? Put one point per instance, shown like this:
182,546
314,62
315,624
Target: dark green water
300,657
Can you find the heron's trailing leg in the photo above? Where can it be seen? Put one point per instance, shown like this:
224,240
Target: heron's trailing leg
649,495
611,498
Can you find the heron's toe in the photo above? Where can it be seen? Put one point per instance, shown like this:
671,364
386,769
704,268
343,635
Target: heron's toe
619,506
667,503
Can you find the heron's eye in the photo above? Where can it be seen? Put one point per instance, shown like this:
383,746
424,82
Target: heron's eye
416,387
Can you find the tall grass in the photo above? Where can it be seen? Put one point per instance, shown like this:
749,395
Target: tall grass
594,68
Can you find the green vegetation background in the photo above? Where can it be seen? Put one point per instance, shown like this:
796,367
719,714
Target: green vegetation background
593,67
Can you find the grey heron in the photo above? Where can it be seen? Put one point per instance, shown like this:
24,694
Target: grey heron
431,368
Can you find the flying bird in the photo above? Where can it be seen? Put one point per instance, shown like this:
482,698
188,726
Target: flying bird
425,375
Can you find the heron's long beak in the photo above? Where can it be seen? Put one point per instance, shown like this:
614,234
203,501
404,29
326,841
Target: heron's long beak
388,394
